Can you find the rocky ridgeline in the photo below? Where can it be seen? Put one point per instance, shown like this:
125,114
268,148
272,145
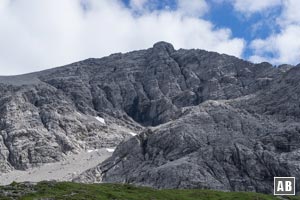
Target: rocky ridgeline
206,120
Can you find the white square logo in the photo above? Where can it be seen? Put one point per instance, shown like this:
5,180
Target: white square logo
284,185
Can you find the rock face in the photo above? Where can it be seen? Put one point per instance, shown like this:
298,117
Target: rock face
205,120
217,145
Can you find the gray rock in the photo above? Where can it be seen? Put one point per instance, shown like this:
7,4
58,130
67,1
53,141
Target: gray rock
207,120
216,145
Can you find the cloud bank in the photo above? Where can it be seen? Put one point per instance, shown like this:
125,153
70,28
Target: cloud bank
35,34
282,46
249,7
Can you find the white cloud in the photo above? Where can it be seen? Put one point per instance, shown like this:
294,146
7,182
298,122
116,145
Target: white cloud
193,7
137,4
251,6
291,14
36,35
284,46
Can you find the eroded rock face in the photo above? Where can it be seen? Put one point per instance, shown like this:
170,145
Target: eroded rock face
40,124
236,127
216,145
206,120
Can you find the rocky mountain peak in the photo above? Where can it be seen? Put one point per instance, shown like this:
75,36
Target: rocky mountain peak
163,46
202,119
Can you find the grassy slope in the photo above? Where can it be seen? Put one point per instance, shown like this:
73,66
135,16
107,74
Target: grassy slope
126,192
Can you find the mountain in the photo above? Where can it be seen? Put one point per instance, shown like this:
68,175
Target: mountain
203,119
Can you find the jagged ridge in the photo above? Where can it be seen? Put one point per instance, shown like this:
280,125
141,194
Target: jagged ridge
48,114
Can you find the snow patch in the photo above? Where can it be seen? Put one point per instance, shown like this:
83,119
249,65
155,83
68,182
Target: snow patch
78,113
133,134
100,119
92,150
110,150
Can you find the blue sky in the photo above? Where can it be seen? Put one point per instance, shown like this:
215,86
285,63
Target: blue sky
37,35
223,15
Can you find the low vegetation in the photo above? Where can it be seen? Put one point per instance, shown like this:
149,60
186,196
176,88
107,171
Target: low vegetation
76,191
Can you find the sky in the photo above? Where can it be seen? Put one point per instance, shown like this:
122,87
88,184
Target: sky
40,34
